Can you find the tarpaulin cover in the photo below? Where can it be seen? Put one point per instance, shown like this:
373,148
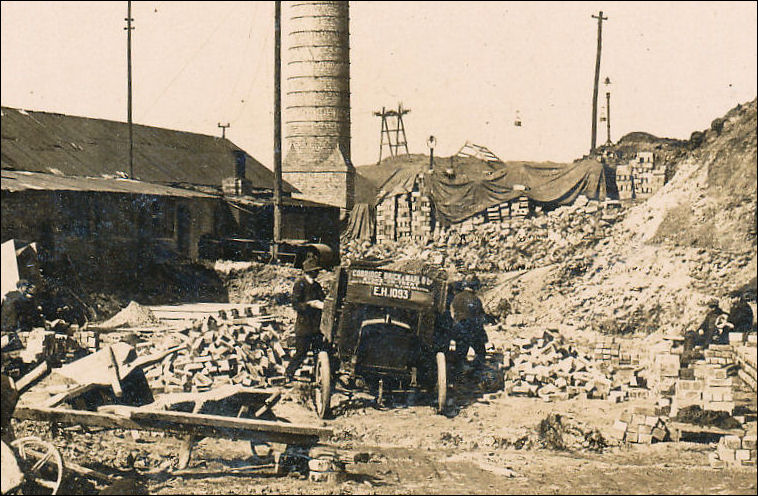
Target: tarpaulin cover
361,223
477,185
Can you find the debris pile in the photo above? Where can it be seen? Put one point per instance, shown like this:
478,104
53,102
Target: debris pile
244,351
561,433
134,315
504,246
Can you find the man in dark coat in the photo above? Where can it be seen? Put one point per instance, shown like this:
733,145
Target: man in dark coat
20,311
468,328
308,301
741,315
709,331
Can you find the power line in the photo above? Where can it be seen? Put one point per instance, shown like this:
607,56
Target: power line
187,62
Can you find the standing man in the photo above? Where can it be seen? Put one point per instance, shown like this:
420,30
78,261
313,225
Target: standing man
468,317
308,301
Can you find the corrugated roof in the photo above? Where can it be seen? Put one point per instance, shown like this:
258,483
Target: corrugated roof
81,146
13,181
286,201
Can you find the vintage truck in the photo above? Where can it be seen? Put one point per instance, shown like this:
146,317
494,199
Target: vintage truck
385,330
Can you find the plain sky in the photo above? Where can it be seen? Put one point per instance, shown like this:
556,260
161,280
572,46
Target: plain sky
463,68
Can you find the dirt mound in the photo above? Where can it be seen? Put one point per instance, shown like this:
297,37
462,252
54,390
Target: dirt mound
134,315
258,282
711,201
694,239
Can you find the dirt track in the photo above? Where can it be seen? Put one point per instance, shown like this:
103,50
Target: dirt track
408,448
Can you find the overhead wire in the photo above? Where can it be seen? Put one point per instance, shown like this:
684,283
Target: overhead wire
186,64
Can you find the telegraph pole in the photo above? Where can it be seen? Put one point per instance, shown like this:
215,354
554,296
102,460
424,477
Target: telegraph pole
277,129
223,129
129,29
600,20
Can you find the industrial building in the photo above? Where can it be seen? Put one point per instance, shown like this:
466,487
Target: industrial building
193,196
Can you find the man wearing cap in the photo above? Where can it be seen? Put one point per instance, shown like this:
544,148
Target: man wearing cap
709,331
308,301
20,311
468,316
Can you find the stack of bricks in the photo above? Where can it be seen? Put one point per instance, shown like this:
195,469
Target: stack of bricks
734,451
385,220
640,426
403,216
608,349
746,357
719,354
88,340
665,364
711,389
493,214
406,215
520,207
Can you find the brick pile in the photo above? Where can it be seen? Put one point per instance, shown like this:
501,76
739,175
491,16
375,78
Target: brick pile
325,465
244,351
547,368
746,357
734,451
640,426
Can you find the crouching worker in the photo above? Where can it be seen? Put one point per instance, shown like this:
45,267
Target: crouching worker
468,327
711,331
308,301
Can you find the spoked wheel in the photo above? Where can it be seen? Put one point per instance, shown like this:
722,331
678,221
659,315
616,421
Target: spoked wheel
441,382
322,393
40,462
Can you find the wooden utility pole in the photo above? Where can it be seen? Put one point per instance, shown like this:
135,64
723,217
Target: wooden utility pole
129,29
223,129
600,20
277,129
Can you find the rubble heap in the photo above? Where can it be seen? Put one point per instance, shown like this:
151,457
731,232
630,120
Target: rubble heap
504,246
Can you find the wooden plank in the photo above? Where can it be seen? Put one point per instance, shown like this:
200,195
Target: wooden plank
113,370
66,395
269,404
32,376
220,421
181,423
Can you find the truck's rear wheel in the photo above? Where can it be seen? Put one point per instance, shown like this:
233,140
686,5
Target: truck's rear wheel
441,382
322,394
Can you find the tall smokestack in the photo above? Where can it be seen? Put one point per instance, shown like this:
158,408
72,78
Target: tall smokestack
317,102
